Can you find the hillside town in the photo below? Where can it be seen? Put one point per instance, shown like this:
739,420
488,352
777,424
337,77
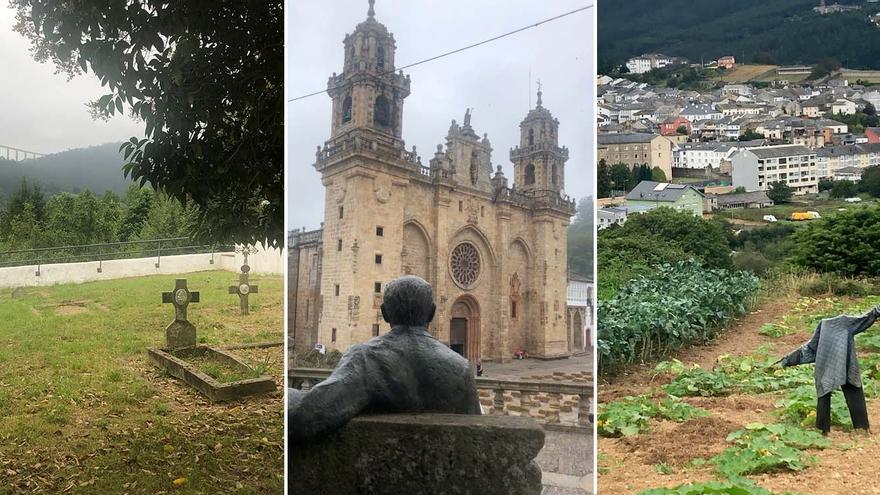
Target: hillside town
732,143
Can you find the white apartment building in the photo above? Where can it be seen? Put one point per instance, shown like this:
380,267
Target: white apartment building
701,155
756,169
648,61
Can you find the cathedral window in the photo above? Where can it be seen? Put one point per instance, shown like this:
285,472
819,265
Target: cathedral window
513,309
337,289
380,231
339,244
530,174
382,111
460,206
346,110
378,259
380,58
333,335
375,329
341,211
531,137
377,287
553,175
465,264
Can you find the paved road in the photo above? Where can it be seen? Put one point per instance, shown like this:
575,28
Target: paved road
522,369
566,463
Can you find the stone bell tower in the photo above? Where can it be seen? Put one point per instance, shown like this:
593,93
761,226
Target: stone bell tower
360,165
368,95
538,161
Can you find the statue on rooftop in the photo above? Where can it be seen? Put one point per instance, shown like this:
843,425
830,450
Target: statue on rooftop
405,370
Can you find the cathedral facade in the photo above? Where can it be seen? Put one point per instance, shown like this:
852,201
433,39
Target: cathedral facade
494,250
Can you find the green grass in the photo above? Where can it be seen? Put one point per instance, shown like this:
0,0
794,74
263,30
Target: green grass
81,407
783,212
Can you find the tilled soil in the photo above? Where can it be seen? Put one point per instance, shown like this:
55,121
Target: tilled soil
630,465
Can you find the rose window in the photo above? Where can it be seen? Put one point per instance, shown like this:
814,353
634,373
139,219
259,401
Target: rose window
465,264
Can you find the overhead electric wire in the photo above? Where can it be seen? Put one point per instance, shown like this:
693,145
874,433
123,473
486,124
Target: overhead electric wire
530,26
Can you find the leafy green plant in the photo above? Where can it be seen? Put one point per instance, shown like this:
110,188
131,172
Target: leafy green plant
632,415
677,306
775,330
663,468
799,407
734,486
763,448
698,382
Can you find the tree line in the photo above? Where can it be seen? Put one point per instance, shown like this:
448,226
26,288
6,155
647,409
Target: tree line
31,219
621,177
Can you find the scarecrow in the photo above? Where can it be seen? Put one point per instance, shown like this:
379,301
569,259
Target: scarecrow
832,348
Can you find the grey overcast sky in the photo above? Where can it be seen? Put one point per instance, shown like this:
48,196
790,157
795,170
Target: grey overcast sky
493,79
43,111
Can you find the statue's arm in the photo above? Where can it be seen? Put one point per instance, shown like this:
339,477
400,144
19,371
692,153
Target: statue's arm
332,403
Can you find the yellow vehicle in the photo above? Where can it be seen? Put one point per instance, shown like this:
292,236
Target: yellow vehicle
797,216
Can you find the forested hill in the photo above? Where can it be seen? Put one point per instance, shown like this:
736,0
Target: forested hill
97,168
788,31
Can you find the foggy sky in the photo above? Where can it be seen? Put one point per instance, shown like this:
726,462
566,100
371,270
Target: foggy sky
43,111
493,79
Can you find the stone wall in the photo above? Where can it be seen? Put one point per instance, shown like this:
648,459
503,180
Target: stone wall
422,453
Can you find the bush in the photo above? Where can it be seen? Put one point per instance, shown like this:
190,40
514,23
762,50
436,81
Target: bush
830,284
846,243
678,305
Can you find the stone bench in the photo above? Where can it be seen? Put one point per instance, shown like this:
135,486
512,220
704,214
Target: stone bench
421,453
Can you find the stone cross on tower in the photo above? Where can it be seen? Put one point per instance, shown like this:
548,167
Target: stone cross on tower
180,333
244,286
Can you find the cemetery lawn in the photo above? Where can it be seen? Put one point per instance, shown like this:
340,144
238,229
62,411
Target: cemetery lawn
83,411
748,419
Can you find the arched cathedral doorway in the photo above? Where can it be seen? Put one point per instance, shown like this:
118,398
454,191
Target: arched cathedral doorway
464,328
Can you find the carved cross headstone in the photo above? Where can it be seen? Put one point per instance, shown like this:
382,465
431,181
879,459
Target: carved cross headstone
180,333
244,287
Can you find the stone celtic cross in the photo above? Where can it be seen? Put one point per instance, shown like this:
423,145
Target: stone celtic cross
244,287
180,333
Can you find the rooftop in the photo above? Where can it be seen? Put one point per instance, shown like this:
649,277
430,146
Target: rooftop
648,190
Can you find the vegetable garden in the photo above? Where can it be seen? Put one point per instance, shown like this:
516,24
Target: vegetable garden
722,419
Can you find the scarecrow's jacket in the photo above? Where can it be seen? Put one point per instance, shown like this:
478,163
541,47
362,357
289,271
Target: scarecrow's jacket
832,348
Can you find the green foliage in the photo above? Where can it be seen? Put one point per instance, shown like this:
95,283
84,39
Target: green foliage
870,182
799,407
761,449
705,240
780,192
834,285
78,219
206,79
750,135
604,183
98,168
843,189
734,486
581,235
761,31
632,415
858,121
674,307
776,330
698,382
847,243
825,67
658,175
